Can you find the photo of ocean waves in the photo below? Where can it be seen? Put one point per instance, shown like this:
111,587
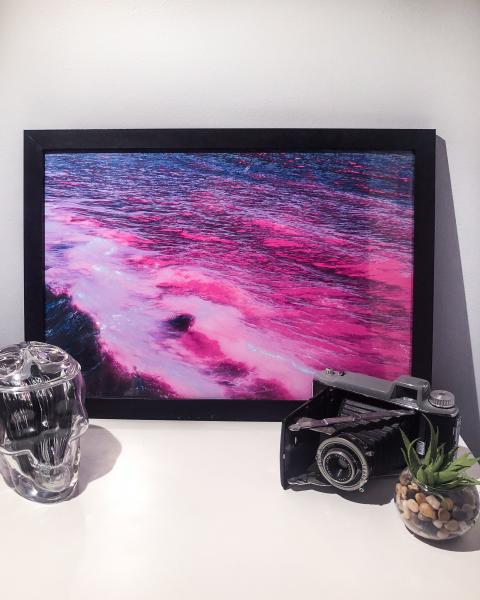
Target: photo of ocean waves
229,275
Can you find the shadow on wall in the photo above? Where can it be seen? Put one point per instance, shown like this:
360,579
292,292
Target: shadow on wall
452,350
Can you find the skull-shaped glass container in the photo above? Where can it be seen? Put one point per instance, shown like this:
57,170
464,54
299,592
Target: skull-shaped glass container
42,417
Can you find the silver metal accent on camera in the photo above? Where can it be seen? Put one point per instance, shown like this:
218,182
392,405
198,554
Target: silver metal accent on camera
420,448
338,442
442,399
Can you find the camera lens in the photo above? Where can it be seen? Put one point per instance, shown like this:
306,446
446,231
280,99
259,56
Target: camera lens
342,464
339,465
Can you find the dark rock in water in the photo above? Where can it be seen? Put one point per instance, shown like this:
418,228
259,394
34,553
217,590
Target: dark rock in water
266,390
72,330
181,322
263,389
57,248
230,369
76,332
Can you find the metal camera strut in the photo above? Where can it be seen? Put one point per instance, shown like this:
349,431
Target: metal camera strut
325,425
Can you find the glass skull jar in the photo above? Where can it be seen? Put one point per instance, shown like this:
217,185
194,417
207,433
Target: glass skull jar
42,418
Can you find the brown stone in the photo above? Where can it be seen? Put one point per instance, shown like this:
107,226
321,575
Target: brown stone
403,491
451,525
406,514
434,502
404,478
442,534
463,526
447,504
443,515
420,497
427,510
412,505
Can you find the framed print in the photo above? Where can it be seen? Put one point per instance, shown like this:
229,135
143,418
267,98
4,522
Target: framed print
208,274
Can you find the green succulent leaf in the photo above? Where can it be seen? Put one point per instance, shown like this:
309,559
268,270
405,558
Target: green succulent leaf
431,453
438,469
451,485
446,476
429,475
406,441
438,462
463,462
411,457
448,458
470,480
420,474
459,483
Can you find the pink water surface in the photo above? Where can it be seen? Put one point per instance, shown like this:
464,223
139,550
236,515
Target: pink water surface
283,264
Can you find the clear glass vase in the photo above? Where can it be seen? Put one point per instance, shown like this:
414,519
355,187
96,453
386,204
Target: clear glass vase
435,514
42,418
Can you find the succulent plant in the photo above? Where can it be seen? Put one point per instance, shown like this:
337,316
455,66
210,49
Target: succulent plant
438,469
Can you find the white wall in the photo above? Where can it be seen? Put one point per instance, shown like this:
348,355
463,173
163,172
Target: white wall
257,63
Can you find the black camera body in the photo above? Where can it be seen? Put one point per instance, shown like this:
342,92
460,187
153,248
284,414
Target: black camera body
349,431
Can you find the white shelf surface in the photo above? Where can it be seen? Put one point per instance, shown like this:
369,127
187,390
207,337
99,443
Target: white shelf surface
195,510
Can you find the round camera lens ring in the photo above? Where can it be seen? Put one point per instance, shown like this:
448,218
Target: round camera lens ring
338,442
350,465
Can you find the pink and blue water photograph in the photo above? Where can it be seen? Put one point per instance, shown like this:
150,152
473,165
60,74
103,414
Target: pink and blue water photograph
221,275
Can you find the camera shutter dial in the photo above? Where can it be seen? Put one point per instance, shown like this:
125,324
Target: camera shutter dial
442,399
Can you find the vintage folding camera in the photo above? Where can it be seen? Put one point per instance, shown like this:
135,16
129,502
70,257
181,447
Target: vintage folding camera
349,431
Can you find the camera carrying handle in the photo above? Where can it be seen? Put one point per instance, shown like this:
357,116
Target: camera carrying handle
328,425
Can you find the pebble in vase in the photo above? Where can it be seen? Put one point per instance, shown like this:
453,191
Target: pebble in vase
435,497
42,417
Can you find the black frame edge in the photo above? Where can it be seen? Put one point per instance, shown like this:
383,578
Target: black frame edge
33,237
38,142
424,254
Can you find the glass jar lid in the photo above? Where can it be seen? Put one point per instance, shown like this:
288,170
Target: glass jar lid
31,366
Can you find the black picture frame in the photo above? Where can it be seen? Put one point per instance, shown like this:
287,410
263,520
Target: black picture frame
39,142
